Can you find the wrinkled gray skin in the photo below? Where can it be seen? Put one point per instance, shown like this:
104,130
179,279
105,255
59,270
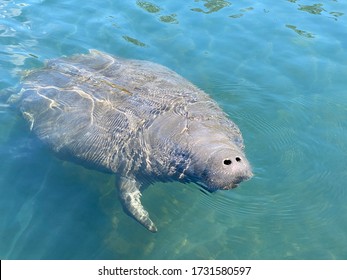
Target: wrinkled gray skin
134,118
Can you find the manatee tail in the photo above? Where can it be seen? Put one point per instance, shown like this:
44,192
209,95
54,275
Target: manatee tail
129,191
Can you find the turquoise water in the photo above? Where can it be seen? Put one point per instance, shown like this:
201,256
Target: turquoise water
279,70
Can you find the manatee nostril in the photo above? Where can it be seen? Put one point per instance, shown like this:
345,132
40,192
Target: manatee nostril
227,161
238,159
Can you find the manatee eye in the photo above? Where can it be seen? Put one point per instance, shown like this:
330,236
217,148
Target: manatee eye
227,161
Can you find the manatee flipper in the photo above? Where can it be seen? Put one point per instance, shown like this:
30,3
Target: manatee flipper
129,191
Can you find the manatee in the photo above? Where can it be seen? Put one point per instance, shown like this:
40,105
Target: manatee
136,119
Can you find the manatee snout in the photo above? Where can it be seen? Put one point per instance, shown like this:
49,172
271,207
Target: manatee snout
239,169
225,169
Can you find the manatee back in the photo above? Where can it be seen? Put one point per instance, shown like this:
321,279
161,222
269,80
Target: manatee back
94,108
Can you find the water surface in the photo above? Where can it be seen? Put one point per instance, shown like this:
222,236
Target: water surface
277,68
